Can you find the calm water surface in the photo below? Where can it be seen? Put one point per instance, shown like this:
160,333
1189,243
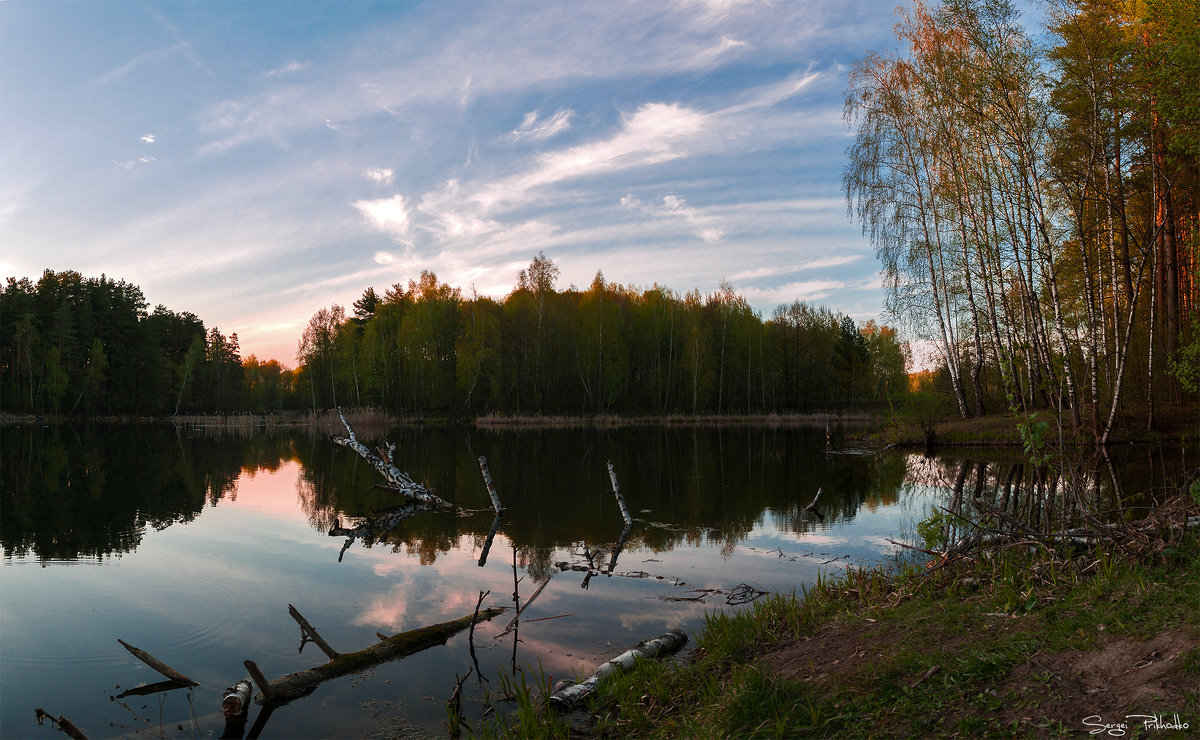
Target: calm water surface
191,546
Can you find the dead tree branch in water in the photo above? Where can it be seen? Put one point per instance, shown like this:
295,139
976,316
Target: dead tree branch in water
158,665
397,480
302,683
61,723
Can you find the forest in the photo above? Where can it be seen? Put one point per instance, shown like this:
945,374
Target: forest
1034,204
76,345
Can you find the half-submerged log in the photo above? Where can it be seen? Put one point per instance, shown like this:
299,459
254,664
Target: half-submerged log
236,699
61,723
612,475
491,487
396,479
567,697
158,665
813,506
302,683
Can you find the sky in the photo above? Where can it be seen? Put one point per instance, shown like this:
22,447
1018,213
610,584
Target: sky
253,162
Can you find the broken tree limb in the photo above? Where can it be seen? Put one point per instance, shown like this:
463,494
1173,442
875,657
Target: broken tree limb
612,474
307,632
397,480
612,561
263,684
813,506
236,699
513,622
302,683
158,665
61,723
569,696
491,488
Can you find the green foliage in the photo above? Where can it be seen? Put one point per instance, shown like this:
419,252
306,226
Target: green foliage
424,348
1186,364
1034,438
934,530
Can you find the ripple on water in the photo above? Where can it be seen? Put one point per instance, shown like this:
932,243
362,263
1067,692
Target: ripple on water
151,605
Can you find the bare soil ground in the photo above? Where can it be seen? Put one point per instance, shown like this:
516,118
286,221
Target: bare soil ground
1050,694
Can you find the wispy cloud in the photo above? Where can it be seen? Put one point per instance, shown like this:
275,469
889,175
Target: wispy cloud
655,133
148,138
532,127
674,206
804,290
816,264
287,68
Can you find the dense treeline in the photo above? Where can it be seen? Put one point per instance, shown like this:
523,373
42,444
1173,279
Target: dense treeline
1037,210
77,345
424,348
88,346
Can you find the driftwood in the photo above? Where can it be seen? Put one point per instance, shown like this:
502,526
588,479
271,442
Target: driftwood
396,479
61,723
567,697
813,506
302,683
236,699
612,475
158,665
512,623
491,488
308,633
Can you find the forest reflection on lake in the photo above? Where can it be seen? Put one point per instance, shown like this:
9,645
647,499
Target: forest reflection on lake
199,542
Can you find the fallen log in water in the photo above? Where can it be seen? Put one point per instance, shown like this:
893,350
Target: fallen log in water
61,723
158,665
396,479
302,683
236,699
567,697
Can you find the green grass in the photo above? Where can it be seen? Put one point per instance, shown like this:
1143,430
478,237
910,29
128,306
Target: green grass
974,622
724,690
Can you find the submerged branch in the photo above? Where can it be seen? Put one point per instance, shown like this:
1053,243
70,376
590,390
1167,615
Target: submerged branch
396,479
302,683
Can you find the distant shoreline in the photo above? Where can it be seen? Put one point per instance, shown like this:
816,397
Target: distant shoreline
894,430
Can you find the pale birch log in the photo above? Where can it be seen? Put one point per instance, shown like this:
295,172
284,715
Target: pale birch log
612,474
395,477
573,694
491,488
236,699
813,506
612,561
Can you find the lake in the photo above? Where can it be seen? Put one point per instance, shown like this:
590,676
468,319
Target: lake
191,545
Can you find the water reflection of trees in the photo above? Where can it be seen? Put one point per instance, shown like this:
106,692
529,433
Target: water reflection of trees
712,486
91,491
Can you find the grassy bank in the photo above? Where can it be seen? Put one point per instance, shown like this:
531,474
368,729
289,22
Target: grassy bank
1017,638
